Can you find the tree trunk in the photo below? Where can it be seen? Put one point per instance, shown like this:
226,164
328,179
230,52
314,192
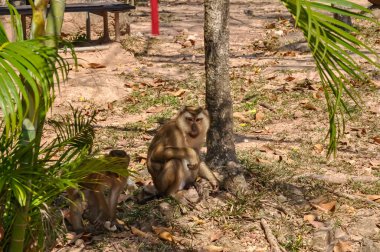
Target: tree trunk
220,138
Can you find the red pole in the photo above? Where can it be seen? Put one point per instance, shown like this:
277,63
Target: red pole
154,15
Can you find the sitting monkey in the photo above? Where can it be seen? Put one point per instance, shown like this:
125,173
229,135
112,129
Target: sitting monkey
173,155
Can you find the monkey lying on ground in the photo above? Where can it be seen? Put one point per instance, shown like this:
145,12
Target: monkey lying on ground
173,155
101,207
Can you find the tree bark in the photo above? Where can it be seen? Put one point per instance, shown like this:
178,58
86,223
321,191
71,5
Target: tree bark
220,138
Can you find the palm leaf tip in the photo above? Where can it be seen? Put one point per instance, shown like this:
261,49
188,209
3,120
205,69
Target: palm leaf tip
333,45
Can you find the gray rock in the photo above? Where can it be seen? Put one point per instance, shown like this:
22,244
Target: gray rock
369,246
365,227
166,209
321,240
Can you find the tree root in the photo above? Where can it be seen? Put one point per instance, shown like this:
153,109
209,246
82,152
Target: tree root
354,197
270,237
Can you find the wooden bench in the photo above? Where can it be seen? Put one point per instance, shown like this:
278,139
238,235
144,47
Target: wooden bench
97,8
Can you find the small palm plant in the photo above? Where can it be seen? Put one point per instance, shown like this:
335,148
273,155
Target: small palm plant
336,52
32,174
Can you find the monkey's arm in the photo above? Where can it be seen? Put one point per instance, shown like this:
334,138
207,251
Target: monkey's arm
163,154
206,173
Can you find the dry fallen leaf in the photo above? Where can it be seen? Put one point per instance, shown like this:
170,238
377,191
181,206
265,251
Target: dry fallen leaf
377,139
343,246
373,197
216,236
212,248
166,236
375,163
289,53
138,232
155,109
259,116
325,207
266,148
241,117
310,106
197,221
179,92
95,65
157,229
309,217
317,224
289,78
318,148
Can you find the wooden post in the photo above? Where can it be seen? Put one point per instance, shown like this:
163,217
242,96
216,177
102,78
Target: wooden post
88,26
117,27
154,15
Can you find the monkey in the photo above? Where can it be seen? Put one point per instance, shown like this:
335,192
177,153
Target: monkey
101,207
173,159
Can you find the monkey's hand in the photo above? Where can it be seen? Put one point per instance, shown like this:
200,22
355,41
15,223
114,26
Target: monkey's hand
193,161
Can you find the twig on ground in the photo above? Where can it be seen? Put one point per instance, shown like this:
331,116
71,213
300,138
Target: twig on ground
87,48
270,237
267,106
338,178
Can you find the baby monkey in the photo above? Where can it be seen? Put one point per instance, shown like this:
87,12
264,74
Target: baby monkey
101,207
173,155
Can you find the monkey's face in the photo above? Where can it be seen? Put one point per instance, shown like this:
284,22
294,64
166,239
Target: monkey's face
194,121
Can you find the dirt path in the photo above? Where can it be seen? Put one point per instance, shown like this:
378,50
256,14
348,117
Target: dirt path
280,123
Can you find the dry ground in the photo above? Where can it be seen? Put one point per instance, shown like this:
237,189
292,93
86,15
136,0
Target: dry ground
309,203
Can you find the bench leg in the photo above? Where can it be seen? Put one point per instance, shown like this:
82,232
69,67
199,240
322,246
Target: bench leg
105,26
23,22
117,27
88,26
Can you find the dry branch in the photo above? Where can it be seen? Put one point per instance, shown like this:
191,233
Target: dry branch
87,48
270,237
338,178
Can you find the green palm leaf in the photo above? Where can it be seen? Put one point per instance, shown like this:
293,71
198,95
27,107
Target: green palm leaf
333,47
37,65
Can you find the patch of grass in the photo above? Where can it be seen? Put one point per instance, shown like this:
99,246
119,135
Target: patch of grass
135,44
136,213
293,243
365,188
263,173
160,117
149,98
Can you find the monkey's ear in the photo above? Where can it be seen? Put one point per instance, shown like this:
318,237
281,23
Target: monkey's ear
206,112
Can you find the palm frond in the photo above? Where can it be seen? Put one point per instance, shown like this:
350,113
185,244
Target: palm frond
27,62
333,48
74,132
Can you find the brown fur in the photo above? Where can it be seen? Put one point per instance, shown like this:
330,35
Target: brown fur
101,208
173,155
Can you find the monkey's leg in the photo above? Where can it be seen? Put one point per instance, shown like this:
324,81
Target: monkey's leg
117,185
76,210
171,179
100,211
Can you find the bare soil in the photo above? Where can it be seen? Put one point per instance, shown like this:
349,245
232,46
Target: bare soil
309,202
